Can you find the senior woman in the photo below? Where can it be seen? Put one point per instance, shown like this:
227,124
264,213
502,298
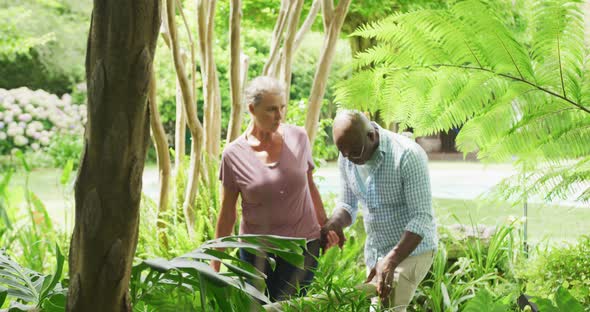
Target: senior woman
270,167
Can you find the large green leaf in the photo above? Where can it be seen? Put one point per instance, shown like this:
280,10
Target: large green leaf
51,281
566,302
19,281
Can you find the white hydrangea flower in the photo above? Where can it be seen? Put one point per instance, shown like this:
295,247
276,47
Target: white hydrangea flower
20,140
3,136
35,146
25,117
8,117
44,140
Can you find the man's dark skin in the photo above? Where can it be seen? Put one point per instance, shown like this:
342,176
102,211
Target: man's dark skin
357,139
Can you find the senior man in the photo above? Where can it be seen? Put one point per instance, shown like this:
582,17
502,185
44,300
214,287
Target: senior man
387,174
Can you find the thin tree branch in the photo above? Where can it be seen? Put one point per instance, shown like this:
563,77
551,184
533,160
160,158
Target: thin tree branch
192,44
313,12
328,13
277,35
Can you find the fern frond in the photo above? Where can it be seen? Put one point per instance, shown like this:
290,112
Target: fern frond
524,95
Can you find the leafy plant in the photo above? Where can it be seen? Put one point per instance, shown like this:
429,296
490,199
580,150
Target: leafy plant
64,148
449,286
191,273
563,301
484,302
567,267
30,288
512,93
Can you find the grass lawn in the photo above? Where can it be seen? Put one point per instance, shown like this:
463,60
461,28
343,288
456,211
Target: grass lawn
546,222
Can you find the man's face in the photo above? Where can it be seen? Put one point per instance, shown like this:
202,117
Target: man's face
353,146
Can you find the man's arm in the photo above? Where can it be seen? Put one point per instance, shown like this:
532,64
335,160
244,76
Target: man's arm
346,209
418,197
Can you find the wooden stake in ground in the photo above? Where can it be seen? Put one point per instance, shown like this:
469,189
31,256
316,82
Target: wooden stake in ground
121,45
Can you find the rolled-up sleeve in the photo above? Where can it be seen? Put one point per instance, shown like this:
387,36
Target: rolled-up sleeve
347,200
417,192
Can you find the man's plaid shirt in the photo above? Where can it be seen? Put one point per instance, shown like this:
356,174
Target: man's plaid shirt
395,198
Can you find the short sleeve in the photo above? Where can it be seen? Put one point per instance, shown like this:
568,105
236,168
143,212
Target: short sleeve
226,173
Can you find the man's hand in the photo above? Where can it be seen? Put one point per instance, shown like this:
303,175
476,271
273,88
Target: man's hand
383,273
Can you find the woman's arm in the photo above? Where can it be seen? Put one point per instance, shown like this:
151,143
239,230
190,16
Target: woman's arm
227,217
318,205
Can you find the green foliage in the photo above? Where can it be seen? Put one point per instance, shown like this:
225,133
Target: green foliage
43,43
563,301
65,148
30,287
323,148
567,267
512,92
203,287
484,302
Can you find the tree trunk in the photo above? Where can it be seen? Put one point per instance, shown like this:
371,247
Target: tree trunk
180,127
119,57
334,20
194,125
235,86
212,107
163,158
288,48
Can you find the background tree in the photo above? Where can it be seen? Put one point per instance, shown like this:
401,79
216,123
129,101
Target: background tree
121,45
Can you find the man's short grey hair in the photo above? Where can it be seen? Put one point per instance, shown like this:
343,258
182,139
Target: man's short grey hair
262,85
357,118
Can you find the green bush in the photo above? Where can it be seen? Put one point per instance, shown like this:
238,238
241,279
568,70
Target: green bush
30,119
567,266
64,148
43,43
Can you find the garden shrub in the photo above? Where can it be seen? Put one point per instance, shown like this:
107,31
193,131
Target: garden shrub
567,266
30,119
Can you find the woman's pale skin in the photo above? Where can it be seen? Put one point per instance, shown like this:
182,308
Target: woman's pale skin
265,138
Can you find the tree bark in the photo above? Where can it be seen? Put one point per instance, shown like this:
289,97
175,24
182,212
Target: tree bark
121,45
235,86
321,75
194,125
163,158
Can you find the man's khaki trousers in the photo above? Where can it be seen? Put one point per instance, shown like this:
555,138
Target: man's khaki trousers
406,279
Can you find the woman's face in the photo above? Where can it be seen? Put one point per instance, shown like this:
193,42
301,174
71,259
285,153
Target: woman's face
267,115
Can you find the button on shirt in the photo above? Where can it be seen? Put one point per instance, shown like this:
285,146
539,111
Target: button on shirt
395,196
